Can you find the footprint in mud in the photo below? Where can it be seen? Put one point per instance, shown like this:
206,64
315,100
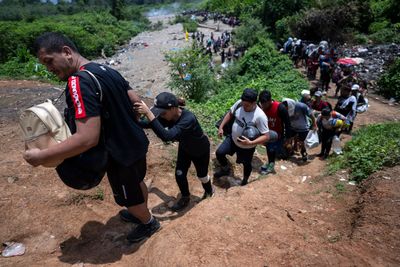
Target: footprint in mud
227,182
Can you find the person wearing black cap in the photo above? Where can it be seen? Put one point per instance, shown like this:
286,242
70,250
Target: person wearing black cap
194,146
245,112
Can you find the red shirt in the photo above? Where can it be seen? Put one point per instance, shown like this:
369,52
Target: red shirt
274,120
320,106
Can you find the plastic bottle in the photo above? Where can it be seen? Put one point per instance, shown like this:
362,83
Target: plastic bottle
13,249
336,147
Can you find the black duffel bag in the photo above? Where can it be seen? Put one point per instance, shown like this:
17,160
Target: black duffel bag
87,169
228,126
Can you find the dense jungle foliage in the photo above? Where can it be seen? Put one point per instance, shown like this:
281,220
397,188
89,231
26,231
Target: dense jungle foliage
312,20
97,27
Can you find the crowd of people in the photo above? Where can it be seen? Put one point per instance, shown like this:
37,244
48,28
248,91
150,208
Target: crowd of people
218,45
350,88
232,21
116,120
326,59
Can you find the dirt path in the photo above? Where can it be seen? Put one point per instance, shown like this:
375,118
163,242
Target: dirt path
143,63
298,217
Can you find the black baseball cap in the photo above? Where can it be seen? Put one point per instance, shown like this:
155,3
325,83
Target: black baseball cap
326,112
163,102
249,95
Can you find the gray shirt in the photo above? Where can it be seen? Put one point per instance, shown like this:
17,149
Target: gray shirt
299,120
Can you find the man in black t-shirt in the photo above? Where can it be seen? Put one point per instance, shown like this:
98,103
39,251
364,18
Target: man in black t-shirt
111,119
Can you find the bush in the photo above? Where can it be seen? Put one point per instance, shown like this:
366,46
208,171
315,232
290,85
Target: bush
361,38
249,33
282,30
157,26
378,26
387,35
389,82
190,26
327,24
91,33
180,19
190,74
23,66
371,149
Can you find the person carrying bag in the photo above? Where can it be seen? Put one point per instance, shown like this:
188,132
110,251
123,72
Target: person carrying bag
104,125
43,126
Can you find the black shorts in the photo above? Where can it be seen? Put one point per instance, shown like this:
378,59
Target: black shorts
243,155
125,182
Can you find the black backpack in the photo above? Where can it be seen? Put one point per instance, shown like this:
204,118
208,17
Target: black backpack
86,170
228,126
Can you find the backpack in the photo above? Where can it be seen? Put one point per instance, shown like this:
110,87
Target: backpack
86,170
228,126
43,126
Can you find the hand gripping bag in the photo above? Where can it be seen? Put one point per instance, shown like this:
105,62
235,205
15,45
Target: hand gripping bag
312,139
43,126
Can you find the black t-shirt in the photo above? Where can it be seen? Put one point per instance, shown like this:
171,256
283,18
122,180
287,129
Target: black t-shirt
125,140
284,115
186,130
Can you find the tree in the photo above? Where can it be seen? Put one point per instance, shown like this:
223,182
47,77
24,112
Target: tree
249,33
117,7
191,75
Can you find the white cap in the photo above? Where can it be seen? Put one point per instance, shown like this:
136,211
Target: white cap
355,87
318,93
305,92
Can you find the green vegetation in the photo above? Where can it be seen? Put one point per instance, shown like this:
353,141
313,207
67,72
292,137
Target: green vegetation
370,149
334,20
249,33
24,65
340,188
389,82
93,33
79,198
262,67
188,24
190,74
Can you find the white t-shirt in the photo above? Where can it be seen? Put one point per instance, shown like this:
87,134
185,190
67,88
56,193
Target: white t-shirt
255,118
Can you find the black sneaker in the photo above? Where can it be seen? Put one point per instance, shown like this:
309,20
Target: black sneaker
207,195
245,181
304,157
143,231
126,216
182,203
221,173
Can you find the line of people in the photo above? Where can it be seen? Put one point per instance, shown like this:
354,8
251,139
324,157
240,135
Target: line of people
325,59
220,45
257,120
